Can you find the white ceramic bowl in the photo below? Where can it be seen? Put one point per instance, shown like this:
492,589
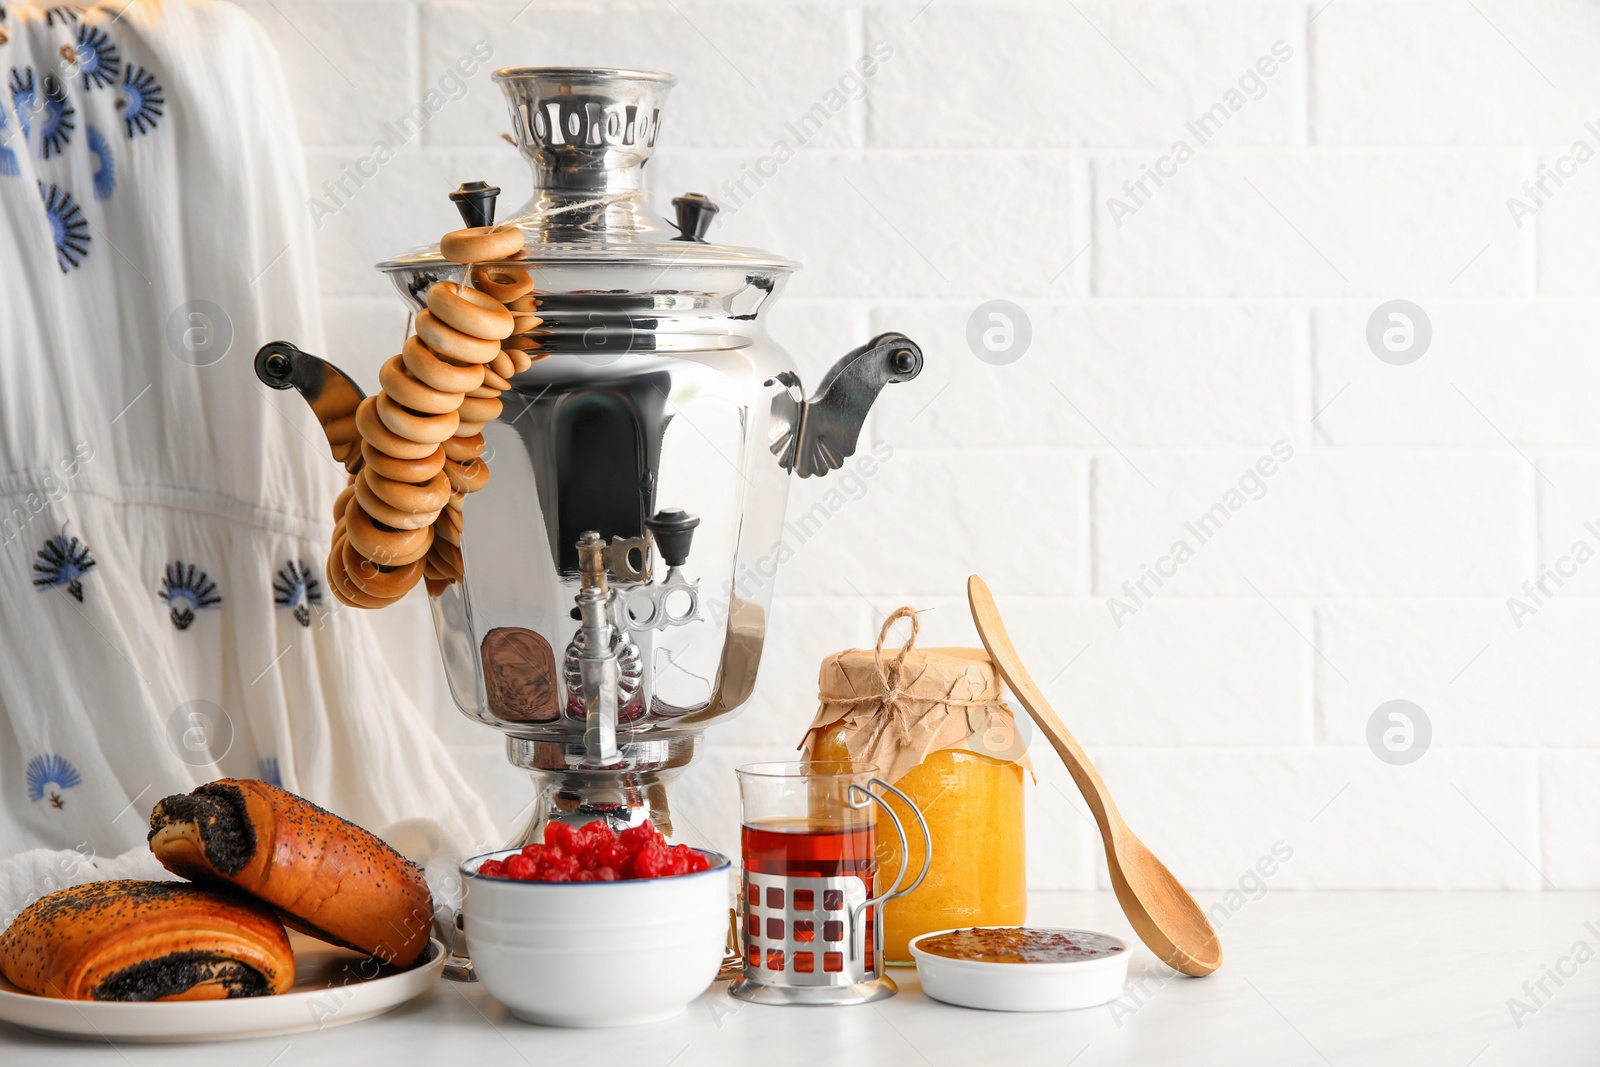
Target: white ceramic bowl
1022,986
596,953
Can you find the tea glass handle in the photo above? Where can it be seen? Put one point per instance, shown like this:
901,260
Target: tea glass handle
858,797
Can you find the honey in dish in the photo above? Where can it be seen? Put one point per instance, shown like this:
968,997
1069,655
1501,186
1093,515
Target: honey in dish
1021,945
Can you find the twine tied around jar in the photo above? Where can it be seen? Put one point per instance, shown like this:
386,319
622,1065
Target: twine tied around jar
895,706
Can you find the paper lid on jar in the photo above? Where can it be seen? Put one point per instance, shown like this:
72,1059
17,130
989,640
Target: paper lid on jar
895,707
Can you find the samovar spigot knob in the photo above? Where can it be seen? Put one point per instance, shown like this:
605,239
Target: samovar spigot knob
695,212
475,201
672,531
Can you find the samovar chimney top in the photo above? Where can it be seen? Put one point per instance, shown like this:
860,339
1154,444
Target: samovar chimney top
585,130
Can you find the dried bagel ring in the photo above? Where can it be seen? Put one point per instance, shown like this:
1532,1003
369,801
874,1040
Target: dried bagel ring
382,511
523,321
377,579
468,477
485,391
426,366
435,586
520,341
342,499
479,243
447,559
501,364
447,531
333,574
414,425
449,521
473,313
462,449
339,579
521,361
385,440
403,470
411,393
491,380
448,341
343,587
385,545
434,567
470,429
481,409
410,497
528,303
503,283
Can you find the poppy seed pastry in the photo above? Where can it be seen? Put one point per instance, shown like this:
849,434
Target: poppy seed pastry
326,877
137,940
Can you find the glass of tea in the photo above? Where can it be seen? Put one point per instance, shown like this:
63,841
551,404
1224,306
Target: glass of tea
808,895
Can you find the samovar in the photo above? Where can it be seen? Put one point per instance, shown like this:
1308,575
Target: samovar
617,566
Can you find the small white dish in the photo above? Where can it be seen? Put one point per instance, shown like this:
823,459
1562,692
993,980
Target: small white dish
332,987
596,953
1055,986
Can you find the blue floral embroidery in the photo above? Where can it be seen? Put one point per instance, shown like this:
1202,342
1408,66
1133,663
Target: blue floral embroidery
63,561
96,57
64,12
269,772
45,100
142,103
8,159
68,227
295,587
51,770
105,167
186,589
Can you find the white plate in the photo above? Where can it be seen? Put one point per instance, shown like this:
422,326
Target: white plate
332,987
1059,986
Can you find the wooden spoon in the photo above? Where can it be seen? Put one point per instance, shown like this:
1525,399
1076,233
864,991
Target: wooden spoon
1162,912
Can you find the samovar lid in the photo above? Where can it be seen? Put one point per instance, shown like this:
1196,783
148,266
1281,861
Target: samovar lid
587,133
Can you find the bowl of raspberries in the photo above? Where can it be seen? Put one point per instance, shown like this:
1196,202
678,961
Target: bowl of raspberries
594,927
597,853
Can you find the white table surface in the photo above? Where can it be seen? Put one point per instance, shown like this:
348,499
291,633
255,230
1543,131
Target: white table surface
1310,978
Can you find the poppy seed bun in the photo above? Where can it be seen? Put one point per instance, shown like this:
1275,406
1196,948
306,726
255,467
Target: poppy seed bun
325,876
135,940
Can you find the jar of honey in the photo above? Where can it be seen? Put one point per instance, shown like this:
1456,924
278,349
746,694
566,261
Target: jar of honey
934,722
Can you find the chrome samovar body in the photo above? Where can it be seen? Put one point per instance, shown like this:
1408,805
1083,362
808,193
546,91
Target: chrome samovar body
619,564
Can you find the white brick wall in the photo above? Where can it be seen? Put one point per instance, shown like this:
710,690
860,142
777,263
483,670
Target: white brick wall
1178,333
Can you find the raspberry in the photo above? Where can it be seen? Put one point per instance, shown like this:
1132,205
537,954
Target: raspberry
651,861
533,852
562,836
681,859
589,859
635,836
564,865
583,876
605,874
613,854
521,868
599,832
492,869
698,861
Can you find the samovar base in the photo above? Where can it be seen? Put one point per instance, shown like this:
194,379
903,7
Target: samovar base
624,794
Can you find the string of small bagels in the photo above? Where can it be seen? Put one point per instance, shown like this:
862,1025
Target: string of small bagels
419,445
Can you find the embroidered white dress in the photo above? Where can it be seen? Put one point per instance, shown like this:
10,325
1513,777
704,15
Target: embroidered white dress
163,516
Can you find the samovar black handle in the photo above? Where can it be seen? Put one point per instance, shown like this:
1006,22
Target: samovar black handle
330,393
824,430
